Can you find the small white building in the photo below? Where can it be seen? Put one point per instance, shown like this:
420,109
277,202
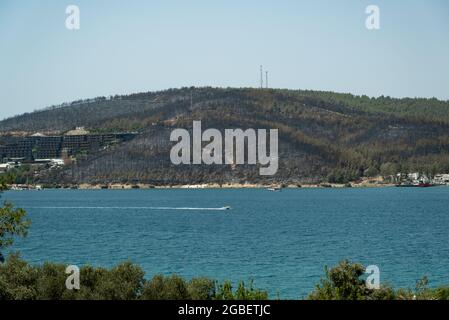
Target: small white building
4,167
57,162
441,178
51,162
413,176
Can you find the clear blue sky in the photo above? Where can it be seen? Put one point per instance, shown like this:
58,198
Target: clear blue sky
132,46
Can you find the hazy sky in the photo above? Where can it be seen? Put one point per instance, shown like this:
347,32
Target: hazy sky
132,46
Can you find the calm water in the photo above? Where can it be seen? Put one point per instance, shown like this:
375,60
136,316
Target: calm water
280,239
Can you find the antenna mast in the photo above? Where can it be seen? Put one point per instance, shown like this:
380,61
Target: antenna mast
266,79
261,77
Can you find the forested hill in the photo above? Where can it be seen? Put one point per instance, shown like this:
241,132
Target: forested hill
322,134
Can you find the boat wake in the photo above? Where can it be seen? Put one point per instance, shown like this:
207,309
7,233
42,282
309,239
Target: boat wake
132,208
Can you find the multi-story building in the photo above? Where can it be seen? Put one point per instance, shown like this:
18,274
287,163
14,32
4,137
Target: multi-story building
51,147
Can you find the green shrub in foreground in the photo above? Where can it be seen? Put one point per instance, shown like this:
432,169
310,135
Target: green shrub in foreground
345,282
21,281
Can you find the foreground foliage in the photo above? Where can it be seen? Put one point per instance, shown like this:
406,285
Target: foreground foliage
13,222
21,281
345,282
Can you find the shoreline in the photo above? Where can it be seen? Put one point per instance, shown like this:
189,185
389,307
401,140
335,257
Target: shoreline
275,187
375,182
230,186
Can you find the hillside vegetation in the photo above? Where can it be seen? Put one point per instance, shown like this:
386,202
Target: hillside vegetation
323,135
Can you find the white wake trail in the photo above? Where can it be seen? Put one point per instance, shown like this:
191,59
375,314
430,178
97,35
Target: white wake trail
132,208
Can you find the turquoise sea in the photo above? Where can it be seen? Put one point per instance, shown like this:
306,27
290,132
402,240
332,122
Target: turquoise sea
282,240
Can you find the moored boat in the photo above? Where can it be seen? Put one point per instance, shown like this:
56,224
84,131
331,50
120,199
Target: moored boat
416,185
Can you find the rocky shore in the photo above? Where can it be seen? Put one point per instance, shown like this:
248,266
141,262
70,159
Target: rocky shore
364,183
